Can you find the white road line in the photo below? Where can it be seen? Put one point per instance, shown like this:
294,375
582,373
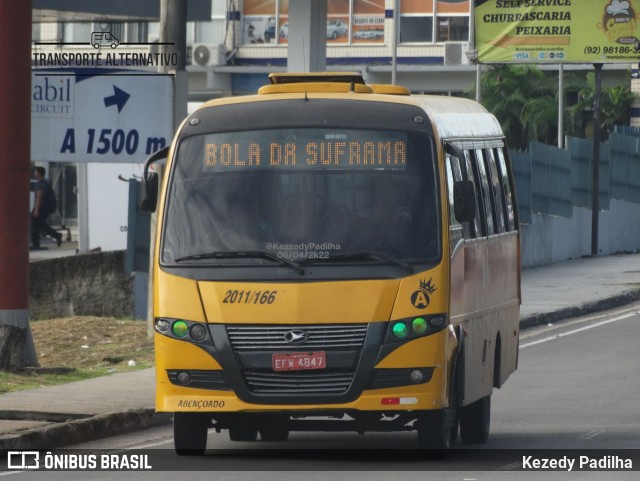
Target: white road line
593,434
575,331
510,467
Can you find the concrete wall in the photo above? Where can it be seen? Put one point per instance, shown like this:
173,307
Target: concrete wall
548,239
82,285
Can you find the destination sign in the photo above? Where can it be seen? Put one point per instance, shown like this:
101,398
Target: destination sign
305,149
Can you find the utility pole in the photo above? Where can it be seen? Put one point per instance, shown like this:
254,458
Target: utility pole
595,182
396,40
173,39
16,342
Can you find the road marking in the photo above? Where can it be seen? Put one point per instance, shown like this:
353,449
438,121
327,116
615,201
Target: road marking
510,467
575,331
593,434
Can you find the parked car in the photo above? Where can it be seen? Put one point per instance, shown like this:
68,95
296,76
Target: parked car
337,28
369,34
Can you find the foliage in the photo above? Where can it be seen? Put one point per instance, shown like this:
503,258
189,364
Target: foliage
522,99
615,108
77,348
525,101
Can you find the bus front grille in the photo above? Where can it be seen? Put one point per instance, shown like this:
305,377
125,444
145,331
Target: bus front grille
332,382
345,337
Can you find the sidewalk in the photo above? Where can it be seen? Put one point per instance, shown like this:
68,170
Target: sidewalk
50,417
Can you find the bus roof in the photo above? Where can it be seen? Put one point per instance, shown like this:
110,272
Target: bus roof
456,117
452,117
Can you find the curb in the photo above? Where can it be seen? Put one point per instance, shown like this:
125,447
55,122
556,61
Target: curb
82,430
626,297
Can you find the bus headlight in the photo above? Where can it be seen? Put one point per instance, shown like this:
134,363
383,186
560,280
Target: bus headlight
400,330
179,328
162,325
182,329
198,332
419,325
415,327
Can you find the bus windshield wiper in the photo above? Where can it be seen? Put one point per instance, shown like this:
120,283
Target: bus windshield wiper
361,255
243,255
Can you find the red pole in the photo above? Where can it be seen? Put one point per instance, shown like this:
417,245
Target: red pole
15,160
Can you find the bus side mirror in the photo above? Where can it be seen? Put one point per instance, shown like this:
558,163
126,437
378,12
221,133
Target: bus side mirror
150,200
151,182
464,200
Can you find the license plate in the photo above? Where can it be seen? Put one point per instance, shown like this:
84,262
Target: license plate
296,361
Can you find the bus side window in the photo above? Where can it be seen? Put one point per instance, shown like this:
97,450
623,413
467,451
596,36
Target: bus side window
472,175
451,178
506,184
489,210
454,174
496,190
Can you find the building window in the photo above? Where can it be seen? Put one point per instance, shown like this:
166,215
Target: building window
453,29
368,21
416,21
259,22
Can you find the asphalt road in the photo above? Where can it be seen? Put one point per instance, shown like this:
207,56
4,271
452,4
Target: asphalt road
576,392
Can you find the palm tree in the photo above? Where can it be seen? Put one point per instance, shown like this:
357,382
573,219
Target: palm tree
522,97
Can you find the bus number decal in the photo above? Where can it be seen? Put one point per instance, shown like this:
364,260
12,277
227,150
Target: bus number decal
249,297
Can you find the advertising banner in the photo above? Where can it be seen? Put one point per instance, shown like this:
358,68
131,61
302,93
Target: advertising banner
557,31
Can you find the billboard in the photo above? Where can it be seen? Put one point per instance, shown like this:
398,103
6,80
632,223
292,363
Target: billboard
557,31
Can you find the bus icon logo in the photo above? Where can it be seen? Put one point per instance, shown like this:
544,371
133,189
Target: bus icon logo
100,39
23,460
296,337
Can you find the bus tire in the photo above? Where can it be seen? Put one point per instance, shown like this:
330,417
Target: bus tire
475,420
190,433
454,407
434,432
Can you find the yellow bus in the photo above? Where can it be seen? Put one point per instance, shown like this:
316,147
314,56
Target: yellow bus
334,256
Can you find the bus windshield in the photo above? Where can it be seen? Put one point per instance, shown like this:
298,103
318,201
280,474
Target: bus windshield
305,195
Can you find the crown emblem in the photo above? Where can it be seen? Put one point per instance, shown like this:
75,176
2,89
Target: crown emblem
427,287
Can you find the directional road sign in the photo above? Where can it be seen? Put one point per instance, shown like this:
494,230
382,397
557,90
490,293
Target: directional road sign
99,116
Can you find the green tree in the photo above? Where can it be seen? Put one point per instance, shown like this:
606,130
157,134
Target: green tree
525,101
615,108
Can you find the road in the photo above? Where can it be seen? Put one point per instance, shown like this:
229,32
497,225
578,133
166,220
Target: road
577,388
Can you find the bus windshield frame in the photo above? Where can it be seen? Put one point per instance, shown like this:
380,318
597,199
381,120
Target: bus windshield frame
325,202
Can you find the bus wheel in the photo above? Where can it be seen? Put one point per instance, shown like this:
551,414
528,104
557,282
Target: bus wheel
244,427
190,433
274,428
475,420
434,431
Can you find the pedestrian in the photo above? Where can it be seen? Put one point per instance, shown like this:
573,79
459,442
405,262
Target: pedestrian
42,207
